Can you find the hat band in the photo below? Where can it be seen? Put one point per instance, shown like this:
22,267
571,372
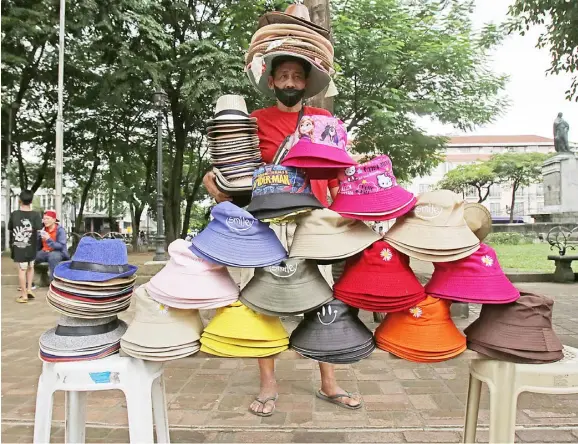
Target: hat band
63,330
235,112
99,268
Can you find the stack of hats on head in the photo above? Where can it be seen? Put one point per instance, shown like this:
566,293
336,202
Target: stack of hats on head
478,279
294,287
518,332
280,193
327,237
435,230
159,332
333,334
379,280
369,191
207,285
236,239
319,147
89,290
290,34
233,147
238,331
424,333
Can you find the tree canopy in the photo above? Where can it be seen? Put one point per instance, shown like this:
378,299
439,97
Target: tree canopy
480,176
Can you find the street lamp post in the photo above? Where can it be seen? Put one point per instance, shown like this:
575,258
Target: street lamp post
159,101
11,109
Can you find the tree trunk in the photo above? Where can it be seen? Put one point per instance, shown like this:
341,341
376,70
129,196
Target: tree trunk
320,15
514,189
191,200
84,197
172,207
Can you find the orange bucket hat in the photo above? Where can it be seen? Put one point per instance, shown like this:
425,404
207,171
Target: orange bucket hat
424,333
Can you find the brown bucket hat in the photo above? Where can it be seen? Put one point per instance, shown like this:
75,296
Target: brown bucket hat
436,223
294,15
516,356
479,219
522,325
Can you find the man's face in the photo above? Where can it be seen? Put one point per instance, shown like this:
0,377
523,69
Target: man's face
289,75
48,221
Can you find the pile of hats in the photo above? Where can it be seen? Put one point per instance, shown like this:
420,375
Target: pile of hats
518,332
235,238
280,193
424,333
477,279
319,147
369,191
234,147
159,332
294,287
333,334
290,34
89,290
435,230
238,331
379,280
208,285
326,237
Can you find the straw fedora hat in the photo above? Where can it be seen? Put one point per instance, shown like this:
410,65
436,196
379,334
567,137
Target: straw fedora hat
479,219
231,107
281,31
296,14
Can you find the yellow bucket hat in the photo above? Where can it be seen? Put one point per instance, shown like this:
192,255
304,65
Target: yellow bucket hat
247,342
228,350
240,322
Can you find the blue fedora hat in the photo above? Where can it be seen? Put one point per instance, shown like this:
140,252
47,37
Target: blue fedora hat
235,238
96,261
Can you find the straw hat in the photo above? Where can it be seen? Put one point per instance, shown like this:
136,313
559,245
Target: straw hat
479,219
231,107
325,235
295,14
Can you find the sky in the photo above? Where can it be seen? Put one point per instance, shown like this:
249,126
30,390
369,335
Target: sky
536,98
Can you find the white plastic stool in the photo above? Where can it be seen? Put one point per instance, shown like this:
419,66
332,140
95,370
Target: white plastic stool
142,383
506,381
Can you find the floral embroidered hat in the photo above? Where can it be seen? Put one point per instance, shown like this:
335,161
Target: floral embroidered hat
369,191
478,279
319,147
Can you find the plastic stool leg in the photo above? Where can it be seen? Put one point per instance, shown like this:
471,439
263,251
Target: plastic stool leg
75,414
503,402
140,412
43,415
472,409
160,411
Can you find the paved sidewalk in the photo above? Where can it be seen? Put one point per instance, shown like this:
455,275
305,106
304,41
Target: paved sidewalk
208,398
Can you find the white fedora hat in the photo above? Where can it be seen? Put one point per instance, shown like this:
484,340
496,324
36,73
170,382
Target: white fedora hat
232,107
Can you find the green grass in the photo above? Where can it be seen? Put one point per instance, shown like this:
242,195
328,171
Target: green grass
530,257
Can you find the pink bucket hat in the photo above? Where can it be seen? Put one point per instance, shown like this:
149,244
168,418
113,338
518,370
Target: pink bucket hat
188,281
477,278
371,189
320,148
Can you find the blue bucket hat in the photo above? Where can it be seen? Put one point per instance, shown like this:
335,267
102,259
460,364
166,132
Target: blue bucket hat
96,261
236,239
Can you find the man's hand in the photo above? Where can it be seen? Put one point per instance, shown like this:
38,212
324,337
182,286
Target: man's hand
211,186
44,235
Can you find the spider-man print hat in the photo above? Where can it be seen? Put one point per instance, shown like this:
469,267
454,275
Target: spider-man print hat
281,189
369,191
319,147
333,333
478,279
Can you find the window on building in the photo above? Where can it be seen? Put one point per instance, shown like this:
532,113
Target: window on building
495,209
520,191
519,209
540,189
495,191
424,188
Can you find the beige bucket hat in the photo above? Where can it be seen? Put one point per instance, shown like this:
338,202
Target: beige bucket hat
325,235
436,223
479,219
434,255
156,325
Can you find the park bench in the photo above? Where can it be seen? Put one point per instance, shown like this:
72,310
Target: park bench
41,271
564,240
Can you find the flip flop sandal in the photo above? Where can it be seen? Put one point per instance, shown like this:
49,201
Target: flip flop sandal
263,402
335,399
31,296
21,300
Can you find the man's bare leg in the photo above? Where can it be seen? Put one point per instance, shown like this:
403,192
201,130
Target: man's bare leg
29,279
268,386
22,281
329,385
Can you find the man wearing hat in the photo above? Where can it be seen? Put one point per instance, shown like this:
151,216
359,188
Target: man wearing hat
52,245
289,81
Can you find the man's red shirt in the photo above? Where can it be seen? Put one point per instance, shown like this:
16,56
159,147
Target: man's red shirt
274,126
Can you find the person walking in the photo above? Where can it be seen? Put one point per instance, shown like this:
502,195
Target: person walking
24,225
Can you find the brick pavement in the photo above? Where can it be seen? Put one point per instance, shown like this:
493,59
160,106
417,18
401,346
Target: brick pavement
208,398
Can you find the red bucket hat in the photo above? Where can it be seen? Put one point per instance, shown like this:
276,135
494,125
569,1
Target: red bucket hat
477,278
379,304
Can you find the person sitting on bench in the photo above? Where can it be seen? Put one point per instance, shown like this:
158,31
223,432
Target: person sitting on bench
53,246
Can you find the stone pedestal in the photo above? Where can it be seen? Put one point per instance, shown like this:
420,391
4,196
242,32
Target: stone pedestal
561,183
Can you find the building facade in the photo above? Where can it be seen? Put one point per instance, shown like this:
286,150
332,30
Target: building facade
464,150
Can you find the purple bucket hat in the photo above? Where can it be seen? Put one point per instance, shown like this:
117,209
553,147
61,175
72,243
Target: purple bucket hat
96,261
237,239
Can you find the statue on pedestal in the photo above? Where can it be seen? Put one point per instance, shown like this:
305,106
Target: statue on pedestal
561,129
